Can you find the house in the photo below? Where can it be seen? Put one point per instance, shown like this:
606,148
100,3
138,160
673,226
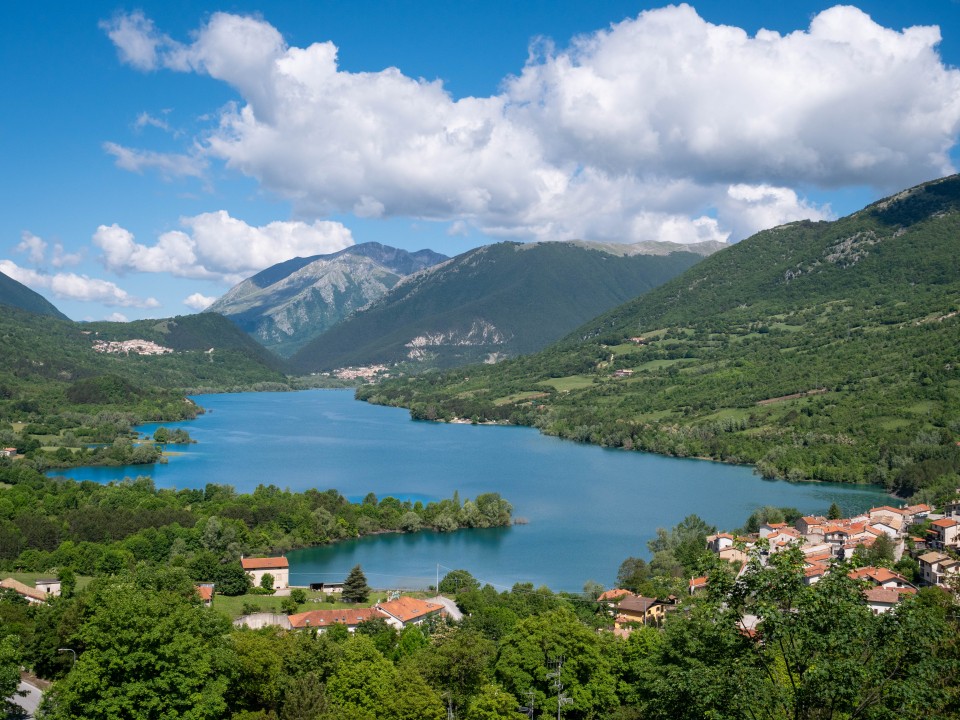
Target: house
50,586
697,584
945,533
934,566
882,599
278,567
890,516
205,591
952,509
406,611
8,452
916,513
810,525
640,609
31,595
882,577
322,620
612,597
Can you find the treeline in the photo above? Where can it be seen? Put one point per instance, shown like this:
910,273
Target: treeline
766,645
95,529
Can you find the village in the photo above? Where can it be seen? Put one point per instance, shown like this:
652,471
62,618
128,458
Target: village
931,539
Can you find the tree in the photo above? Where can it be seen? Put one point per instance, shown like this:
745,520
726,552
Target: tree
10,659
633,573
493,703
68,582
232,579
266,581
834,513
147,652
355,588
532,650
457,581
298,595
457,663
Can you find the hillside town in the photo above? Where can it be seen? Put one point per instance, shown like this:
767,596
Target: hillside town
931,539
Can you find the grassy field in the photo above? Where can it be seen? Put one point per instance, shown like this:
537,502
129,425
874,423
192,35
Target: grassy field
571,382
29,578
232,607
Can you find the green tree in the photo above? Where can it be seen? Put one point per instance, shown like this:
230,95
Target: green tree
232,579
11,656
532,650
68,582
834,513
632,575
355,588
457,581
457,663
147,652
298,595
363,685
266,581
492,702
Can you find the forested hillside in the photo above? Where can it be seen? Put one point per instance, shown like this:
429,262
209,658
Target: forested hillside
64,386
17,295
492,302
824,351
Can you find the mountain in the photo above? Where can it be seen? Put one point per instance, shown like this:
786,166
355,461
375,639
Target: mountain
823,351
288,304
488,303
18,295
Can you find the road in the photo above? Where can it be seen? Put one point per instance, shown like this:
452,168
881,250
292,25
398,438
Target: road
28,702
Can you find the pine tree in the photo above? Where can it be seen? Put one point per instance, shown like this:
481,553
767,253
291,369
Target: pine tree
355,588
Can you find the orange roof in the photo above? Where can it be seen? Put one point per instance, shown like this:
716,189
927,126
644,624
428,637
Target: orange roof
271,563
406,609
945,523
614,594
205,592
698,582
326,618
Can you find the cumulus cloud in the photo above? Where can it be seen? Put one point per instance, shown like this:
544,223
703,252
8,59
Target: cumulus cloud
198,302
116,317
665,99
216,246
71,286
33,246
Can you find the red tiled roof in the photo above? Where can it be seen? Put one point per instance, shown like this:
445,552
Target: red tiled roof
205,592
406,609
326,618
945,523
613,594
264,563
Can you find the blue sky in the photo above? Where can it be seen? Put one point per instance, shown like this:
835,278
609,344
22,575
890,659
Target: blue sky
154,154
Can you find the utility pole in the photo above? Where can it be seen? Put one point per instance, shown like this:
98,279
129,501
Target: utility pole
562,698
529,708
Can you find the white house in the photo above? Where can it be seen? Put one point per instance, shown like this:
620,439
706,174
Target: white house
278,567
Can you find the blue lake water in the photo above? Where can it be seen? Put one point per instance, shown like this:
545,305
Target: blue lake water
588,508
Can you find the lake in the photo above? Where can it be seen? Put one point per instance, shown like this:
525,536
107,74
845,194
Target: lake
588,508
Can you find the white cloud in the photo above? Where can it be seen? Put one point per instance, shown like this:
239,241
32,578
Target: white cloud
116,317
34,246
145,119
663,100
136,38
71,286
169,165
198,302
219,247
61,258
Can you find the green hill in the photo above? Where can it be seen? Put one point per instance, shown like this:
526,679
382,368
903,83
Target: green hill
64,385
823,351
17,295
492,302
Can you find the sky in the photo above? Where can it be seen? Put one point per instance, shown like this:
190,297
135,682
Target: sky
153,155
